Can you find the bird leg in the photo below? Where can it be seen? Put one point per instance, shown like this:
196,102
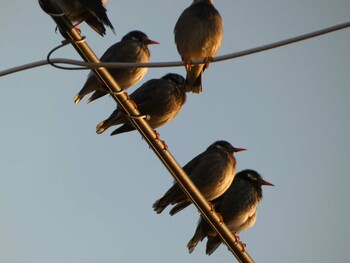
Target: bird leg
157,135
165,146
207,61
212,209
188,65
131,101
220,217
76,26
237,240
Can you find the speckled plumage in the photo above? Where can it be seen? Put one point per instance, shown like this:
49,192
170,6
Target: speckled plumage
160,99
212,172
237,206
198,35
132,48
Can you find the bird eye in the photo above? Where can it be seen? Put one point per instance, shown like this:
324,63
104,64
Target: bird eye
253,178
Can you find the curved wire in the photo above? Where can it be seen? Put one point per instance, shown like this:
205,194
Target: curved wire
85,65
53,63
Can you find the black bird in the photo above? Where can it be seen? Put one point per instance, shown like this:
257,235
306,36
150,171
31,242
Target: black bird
160,99
132,48
212,172
237,206
198,35
92,12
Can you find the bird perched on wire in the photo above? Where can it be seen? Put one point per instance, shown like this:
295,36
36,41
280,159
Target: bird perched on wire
198,35
237,206
212,172
132,48
159,99
92,12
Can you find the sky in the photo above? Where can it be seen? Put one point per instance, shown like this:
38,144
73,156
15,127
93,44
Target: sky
70,195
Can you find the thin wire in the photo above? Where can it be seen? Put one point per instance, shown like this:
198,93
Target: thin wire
138,117
246,52
64,43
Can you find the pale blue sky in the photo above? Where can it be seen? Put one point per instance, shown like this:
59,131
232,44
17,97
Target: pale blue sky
70,195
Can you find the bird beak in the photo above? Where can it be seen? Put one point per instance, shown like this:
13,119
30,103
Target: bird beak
266,183
152,42
239,149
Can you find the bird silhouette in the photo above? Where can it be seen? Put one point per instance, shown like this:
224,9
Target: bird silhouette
160,99
198,35
237,206
92,12
132,48
212,172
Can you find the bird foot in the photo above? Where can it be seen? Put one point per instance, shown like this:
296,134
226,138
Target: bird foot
165,146
237,240
207,61
131,101
188,65
212,209
76,26
220,217
157,137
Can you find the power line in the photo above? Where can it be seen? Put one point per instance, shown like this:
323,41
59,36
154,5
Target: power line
179,63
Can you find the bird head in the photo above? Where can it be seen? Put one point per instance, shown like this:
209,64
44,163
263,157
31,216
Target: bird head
254,177
226,146
176,78
137,35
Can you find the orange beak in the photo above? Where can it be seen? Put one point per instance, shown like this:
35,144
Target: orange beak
152,42
266,183
239,150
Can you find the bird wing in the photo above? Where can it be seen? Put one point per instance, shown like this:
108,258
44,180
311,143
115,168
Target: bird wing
155,98
193,164
123,51
98,10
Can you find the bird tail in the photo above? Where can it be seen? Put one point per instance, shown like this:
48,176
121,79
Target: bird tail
96,25
78,98
101,14
212,244
160,205
102,126
198,236
178,207
124,128
194,79
97,94
89,86
115,119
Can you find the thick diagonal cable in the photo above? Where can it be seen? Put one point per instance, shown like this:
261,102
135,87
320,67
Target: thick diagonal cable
66,28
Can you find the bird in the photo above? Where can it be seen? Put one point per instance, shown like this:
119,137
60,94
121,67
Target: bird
237,206
198,35
160,99
133,47
92,12
212,172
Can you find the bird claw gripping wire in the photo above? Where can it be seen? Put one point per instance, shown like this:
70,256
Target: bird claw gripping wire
212,209
131,101
207,61
157,138
127,96
237,240
188,65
